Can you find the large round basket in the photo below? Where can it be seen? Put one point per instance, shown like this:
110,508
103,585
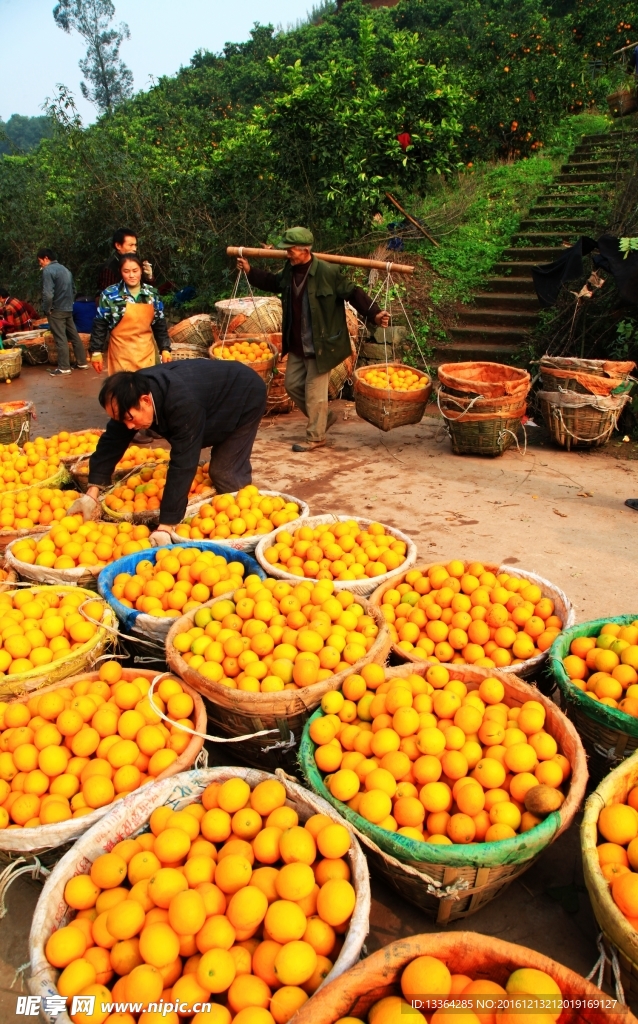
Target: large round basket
196,333
562,607
491,380
9,580
363,586
187,352
581,421
35,841
265,318
10,534
10,363
82,659
452,882
15,421
249,543
481,957
482,426
150,517
586,376
82,576
70,459
389,409
609,734
283,714
52,350
32,345
618,933
264,367
129,817
279,402
153,627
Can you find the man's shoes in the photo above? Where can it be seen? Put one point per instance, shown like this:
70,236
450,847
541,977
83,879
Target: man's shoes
58,372
632,503
82,366
309,446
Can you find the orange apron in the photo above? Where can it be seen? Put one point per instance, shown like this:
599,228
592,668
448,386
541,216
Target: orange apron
131,343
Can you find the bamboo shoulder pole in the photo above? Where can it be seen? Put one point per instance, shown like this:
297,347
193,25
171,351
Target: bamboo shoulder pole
348,261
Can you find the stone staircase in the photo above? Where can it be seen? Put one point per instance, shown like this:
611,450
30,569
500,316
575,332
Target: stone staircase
497,324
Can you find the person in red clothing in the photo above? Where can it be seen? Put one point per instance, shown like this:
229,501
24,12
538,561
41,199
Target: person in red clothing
15,315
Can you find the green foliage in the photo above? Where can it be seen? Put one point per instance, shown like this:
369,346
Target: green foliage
21,134
109,80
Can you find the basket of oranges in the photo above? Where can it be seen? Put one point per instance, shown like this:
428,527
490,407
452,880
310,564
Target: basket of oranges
356,554
85,742
76,443
47,638
455,779
149,589
134,457
596,667
488,615
32,511
265,655
136,498
260,355
609,840
271,903
462,973
242,518
391,395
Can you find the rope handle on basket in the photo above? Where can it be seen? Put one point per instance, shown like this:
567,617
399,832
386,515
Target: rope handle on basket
598,969
111,629
505,431
13,871
194,732
606,433
454,419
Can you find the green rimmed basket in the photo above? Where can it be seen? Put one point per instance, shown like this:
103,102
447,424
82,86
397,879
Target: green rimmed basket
452,882
608,735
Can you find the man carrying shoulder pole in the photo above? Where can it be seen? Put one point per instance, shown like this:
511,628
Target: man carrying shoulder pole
315,332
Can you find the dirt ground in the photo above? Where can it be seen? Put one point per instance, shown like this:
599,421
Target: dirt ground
559,514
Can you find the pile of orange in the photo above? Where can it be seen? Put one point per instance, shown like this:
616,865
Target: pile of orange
465,614
337,551
20,469
618,853
245,514
72,542
229,901
61,445
244,351
69,751
143,491
179,580
38,506
394,380
432,760
427,981
41,625
136,456
606,667
272,636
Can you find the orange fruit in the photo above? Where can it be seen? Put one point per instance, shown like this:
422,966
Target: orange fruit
125,919
159,945
285,921
336,901
618,823
108,871
425,974
295,963
216,970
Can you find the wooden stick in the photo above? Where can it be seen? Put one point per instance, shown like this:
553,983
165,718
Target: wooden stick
349,261
622,49
411,219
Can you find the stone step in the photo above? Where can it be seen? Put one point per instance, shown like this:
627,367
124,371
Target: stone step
537,254
477,351
557,210
584,178
593,165
507,301
486,317
486,332
510,285
573,224
536,237
516,269
615,136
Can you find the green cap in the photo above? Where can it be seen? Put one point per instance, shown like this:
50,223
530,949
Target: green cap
296,236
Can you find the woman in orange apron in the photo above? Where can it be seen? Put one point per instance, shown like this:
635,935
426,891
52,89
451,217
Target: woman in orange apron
130,323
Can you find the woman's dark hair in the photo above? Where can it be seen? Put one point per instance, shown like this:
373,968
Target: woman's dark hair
131,257
121,234
124,390
46,254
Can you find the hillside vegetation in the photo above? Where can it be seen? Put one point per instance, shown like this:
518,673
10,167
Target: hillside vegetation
301,127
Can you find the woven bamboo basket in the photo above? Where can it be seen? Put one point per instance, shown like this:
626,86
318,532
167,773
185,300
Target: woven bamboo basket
52,350
390,409
482,429
581,421
34,841
586,376
249,543
82,576
491,380
187,352
10,363
15,421
8,536
618,933
279,402
563,608
481,957
32,345
265,368
152,516
609,735
70,460
80,660
9,581
364,586
242,713
265,318
452,882
195,332
129,817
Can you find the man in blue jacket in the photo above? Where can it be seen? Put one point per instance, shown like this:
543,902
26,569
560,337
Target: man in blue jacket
58,293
